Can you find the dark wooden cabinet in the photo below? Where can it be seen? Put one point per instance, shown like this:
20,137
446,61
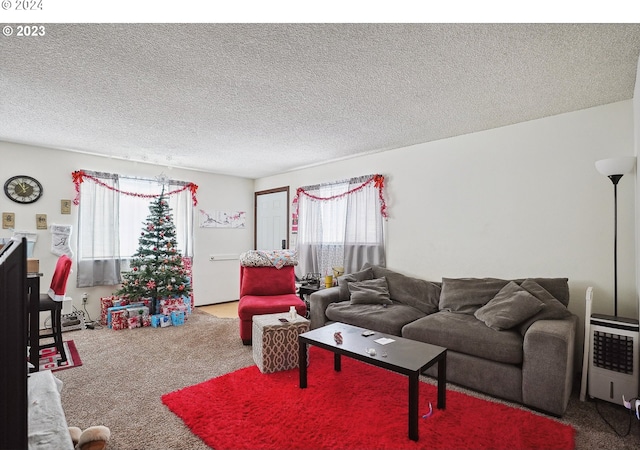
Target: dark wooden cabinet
13,346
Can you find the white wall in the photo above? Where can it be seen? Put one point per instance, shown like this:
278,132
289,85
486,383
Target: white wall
522,200
636,122
519,201
213,282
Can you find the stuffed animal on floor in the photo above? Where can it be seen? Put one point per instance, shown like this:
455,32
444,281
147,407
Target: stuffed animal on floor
93,438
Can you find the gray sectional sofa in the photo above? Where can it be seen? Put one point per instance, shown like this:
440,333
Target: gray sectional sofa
512,339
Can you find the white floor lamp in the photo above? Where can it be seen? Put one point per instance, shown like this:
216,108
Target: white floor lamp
611,343
615,168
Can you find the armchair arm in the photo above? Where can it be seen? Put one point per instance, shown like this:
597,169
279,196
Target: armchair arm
318,302
547,367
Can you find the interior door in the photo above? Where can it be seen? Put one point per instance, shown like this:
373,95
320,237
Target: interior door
272,219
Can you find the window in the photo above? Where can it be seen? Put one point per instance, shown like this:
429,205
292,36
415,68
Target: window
112,210
341,224
134,211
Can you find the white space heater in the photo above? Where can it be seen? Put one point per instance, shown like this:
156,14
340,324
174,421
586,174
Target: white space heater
613,358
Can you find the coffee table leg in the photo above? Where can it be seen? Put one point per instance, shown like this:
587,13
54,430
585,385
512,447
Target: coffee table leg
337,362
413,406
442,382
302,363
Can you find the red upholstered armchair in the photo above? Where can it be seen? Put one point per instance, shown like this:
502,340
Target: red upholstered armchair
266,290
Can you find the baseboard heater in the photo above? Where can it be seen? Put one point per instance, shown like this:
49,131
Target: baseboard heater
613,362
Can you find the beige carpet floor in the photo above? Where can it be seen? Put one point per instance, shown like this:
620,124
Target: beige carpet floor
124,374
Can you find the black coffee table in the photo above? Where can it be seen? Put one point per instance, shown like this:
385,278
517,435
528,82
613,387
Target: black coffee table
403,356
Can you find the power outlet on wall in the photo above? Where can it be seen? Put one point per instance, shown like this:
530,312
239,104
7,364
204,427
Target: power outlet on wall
85,298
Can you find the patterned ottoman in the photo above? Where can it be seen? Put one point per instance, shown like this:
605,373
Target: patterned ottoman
275,343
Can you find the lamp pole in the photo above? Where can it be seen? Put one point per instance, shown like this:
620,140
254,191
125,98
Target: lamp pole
614,179
614,168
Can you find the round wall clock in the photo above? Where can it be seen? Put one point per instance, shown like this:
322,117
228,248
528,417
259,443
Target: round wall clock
23,189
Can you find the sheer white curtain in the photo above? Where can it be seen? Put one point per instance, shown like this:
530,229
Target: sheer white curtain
364,233
135,210
98,236
181,204
110,221
340,224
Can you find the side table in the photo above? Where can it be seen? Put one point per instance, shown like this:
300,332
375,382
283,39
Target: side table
275,343
308,289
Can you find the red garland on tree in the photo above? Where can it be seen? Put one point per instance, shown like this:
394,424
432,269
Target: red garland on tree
157,271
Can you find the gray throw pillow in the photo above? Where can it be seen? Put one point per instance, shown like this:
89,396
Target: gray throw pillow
557,287
466,295
370,292
511,306
344,280
553,308
421,294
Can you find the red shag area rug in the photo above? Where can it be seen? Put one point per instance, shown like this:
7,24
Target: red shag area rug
361,407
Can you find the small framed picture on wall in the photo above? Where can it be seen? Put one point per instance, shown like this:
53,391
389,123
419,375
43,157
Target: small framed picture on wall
65,206
8,220
41,221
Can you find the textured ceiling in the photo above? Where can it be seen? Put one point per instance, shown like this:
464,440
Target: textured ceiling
258,99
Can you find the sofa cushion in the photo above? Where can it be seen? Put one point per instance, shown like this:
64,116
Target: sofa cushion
383,318
553,308
421,294
369,292
466,295
344,280
463,333
267,281
557,287
511,306
255,305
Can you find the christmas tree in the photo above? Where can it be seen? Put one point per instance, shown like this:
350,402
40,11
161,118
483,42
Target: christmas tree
157,271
